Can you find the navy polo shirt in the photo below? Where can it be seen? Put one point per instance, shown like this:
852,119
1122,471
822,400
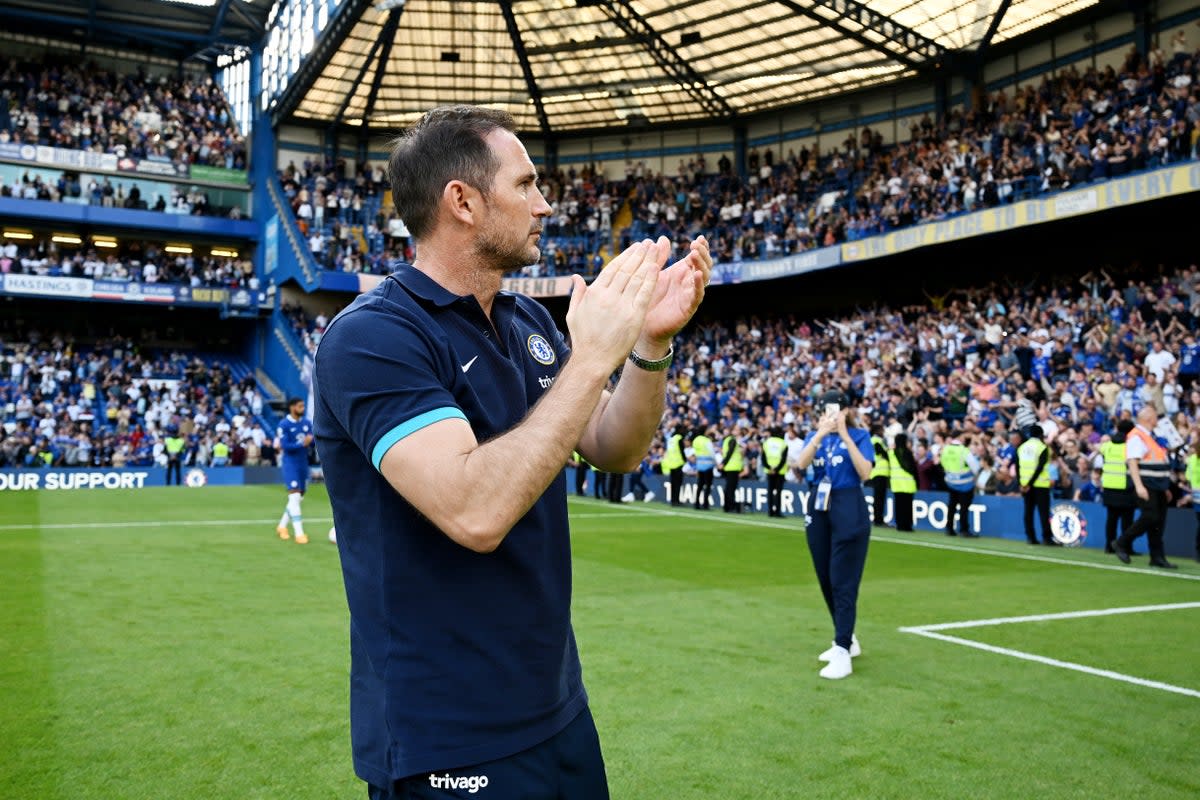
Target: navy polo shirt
457,657
833,458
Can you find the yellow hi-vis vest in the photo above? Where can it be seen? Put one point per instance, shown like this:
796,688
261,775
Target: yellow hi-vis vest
673,459
882,466
954,464
1193,476
731,453
774,455
174,445
901,482
1116,472
702,448
1027,459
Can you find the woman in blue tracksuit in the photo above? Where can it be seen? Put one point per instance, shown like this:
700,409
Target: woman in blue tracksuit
838,521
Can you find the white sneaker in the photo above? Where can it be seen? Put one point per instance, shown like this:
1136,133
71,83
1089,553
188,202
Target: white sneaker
627,498
839,665
649,496
855,650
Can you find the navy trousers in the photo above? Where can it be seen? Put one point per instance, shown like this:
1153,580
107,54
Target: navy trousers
568,766
837,540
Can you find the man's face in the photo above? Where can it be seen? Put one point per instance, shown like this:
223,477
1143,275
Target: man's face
297,409
511,218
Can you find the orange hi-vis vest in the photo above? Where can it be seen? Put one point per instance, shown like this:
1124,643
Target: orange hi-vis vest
1155,466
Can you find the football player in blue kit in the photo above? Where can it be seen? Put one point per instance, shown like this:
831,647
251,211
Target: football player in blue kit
293,437
838,520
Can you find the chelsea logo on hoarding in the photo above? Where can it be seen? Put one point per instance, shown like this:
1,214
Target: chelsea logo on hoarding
1067,525
540,349
195,478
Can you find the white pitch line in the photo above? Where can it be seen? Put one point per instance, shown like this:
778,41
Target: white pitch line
1054,662
737,519
68,526
1099,612
605,514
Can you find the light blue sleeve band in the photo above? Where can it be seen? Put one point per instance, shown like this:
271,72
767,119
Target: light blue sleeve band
411,426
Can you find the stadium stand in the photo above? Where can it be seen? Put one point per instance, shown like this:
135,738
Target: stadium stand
1072,129
111,404
57,102
1082,351
126,260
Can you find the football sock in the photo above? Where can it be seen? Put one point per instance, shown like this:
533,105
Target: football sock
293,507
283,521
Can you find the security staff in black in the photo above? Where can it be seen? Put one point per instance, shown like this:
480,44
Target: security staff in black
581,471
1117,494
880,476
1150,473
672,466
599,484
174,444
706,461
732,465
774,450
902,478
616,486
1032,459
959,468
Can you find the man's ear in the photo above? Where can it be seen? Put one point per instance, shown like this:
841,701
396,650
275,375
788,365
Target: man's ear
462,201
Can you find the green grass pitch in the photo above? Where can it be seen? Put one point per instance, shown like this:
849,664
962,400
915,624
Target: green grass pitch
163,643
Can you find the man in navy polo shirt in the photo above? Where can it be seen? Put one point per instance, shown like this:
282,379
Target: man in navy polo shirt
445,411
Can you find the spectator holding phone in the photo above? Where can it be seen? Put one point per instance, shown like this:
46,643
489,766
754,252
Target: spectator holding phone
838,521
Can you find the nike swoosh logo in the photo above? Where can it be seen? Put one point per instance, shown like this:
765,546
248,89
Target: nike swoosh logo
467,365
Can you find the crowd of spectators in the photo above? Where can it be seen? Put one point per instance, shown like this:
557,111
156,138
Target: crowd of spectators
113,404
136,117
1070,129
140,261
308,329
1075,354
60,102
188,201
339,210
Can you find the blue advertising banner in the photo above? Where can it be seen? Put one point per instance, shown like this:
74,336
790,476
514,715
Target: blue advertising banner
271,245
54,479
1000,517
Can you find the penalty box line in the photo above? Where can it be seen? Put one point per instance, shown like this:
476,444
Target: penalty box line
932,632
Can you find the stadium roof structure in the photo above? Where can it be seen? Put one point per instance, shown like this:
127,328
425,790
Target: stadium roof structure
175,29
575,65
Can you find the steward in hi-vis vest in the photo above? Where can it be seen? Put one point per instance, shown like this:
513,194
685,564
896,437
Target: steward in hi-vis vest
706,462
1150,473
959,467
672,465
902,475
1193,478
774,450
1033,458
880,475
731,469
1116,491
174,444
